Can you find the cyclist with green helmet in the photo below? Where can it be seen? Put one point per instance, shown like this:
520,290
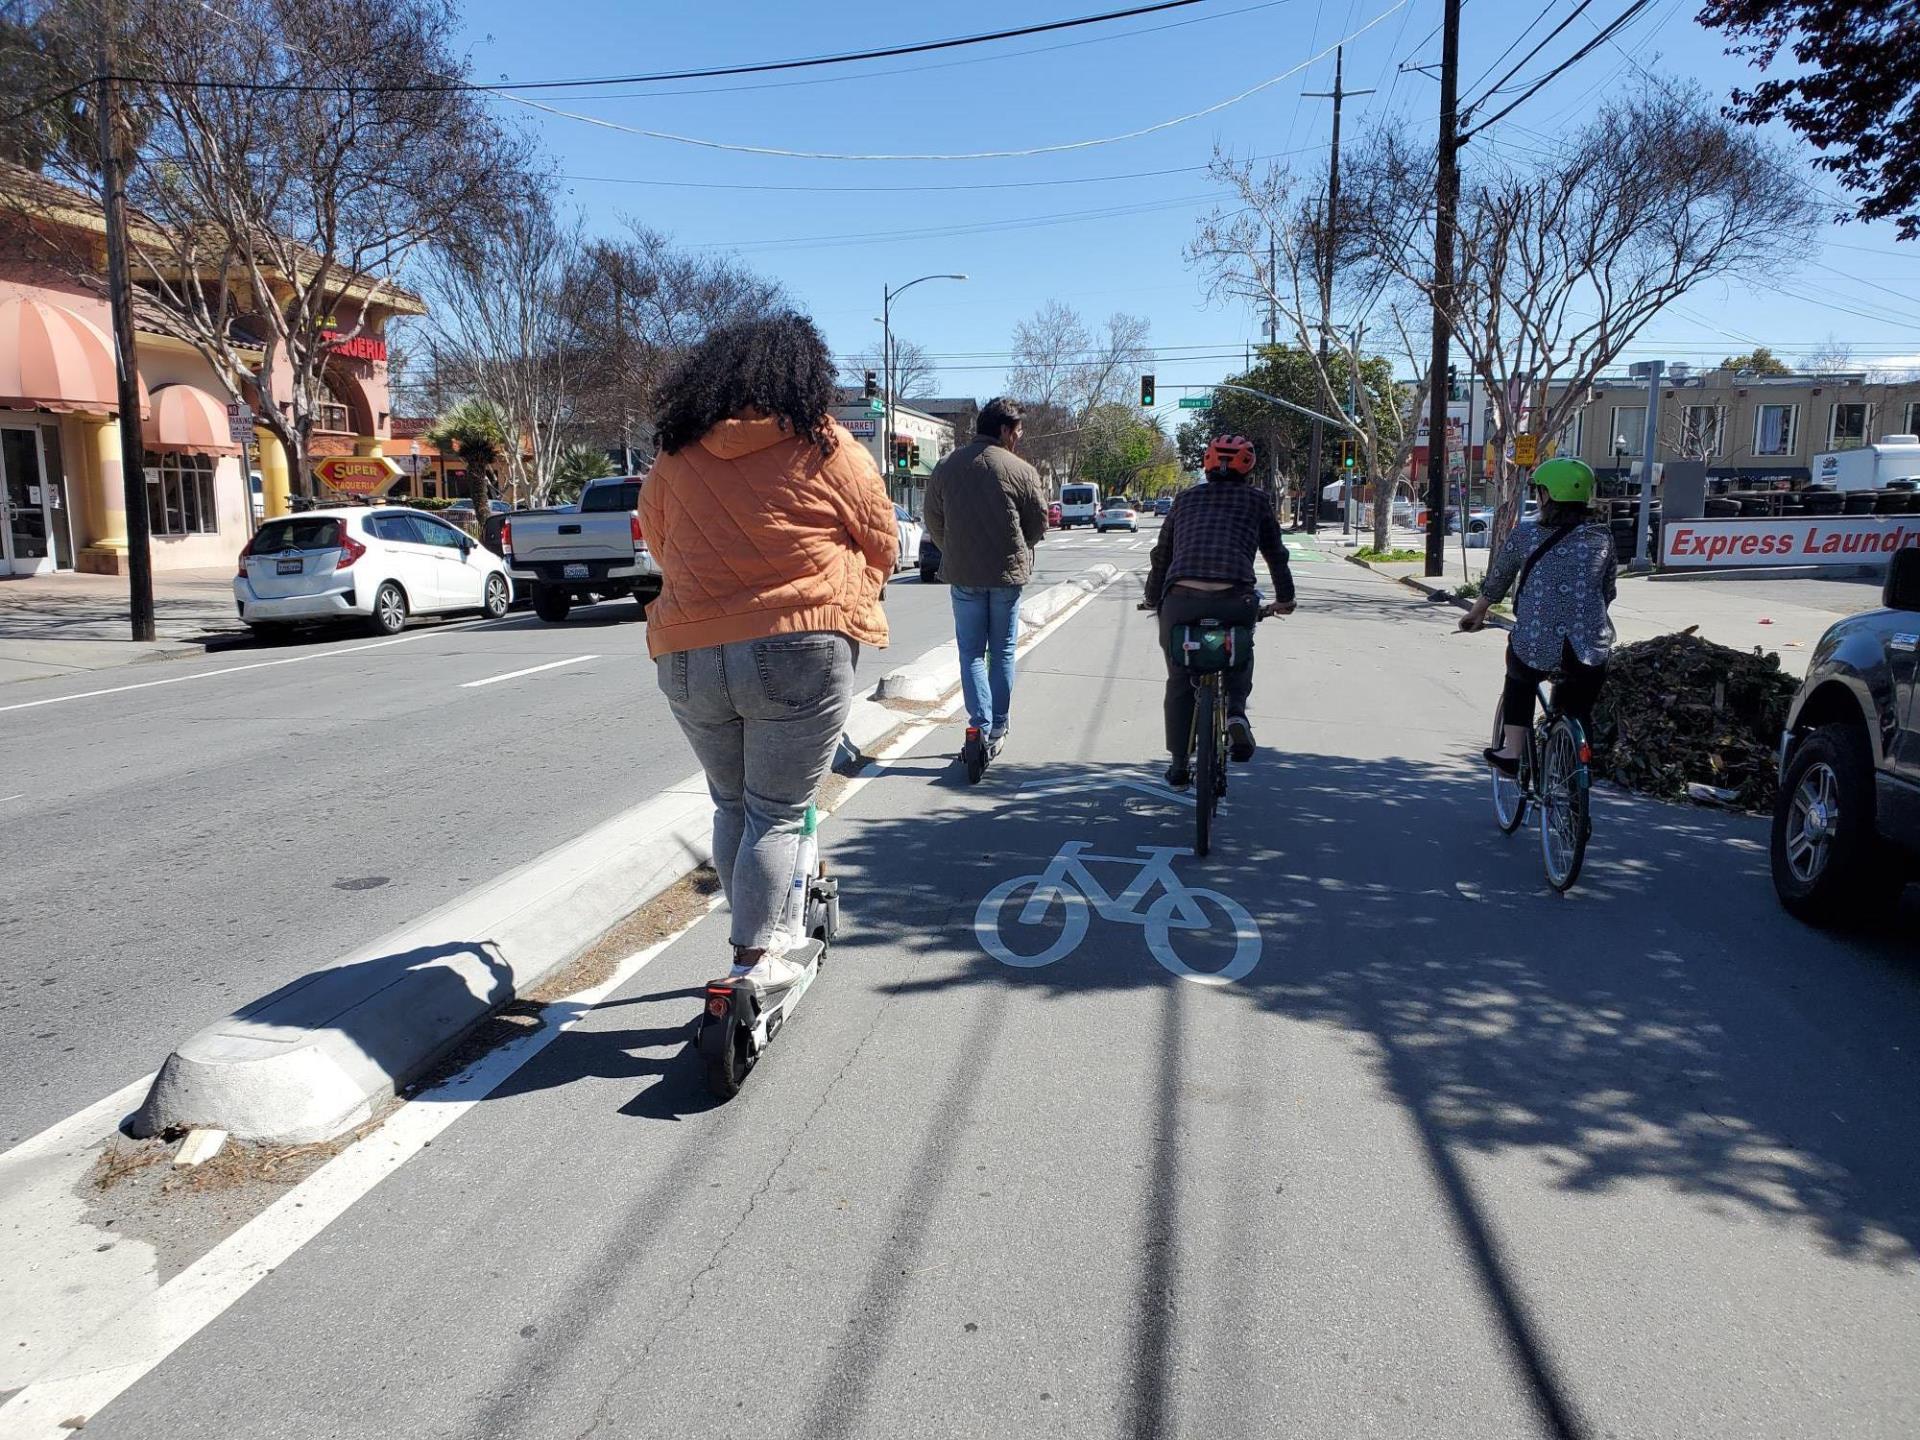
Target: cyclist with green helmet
1560,567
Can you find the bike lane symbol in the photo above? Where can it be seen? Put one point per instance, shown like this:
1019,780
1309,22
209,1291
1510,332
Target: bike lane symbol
1069,882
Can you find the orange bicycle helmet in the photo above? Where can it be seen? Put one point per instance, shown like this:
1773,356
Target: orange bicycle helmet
1230,452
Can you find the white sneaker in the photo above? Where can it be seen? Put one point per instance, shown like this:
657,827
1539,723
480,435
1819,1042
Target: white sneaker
776,972
996,742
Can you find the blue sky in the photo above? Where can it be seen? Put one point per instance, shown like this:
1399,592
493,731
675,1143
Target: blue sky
832,232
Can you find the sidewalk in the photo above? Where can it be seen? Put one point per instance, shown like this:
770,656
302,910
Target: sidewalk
1786,617
60,624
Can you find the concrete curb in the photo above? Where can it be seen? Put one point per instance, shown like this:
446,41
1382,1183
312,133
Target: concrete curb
317,1057
1778,572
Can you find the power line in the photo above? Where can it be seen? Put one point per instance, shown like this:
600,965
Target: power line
806,62
1514,44
780,152
1538,85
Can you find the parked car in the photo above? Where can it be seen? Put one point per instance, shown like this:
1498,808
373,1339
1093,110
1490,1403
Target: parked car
1846,825
461,511
1079,505
1117,514
910,531
380,564
1055,515
929,560
1163,506
593,553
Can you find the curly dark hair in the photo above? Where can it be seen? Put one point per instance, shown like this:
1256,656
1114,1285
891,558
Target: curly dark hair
778,364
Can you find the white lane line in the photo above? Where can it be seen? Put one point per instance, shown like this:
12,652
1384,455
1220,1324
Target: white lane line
530,670
237,669
126,1346
5,798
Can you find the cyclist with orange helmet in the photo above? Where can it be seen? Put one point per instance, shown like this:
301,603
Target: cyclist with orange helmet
1202,569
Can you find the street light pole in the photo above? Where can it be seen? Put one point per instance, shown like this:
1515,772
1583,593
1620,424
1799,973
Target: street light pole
886,360
1651,370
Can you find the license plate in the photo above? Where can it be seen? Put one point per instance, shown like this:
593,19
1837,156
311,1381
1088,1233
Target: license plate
289,567
573,572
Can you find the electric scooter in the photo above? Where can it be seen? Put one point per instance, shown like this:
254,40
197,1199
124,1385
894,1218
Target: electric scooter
974,754
739,1019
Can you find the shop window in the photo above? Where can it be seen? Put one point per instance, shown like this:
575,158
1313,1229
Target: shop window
1776,429
1847,429
1629,431
1912,426
180,495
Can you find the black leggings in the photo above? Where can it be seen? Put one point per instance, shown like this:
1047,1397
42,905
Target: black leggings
1573,693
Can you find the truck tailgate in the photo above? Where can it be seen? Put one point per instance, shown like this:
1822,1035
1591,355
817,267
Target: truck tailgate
541,538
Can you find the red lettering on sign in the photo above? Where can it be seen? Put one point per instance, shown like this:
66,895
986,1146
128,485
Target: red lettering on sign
359,347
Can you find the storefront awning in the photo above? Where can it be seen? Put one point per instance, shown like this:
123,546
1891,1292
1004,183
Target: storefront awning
185,417
52,358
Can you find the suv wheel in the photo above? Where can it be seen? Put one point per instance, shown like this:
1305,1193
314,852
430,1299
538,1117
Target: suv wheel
1829,866
551,605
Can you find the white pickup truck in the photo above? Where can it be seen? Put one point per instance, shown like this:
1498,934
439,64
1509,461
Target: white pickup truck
577,556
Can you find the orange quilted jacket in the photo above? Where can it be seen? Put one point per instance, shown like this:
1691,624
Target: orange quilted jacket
757,533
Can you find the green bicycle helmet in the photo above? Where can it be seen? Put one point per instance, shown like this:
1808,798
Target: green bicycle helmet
1566,480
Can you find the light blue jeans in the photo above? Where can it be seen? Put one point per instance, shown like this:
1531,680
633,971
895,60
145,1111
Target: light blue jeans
986,628
764,717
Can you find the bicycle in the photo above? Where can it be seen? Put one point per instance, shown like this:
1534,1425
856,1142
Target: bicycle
1554,780
1210,655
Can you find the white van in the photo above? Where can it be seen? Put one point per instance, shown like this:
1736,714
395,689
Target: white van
1079,505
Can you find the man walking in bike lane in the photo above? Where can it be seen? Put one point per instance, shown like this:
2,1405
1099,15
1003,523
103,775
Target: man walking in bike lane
985,511
1202,569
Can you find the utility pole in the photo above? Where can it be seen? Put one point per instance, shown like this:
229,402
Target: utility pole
133,485
1650,370
1329,242
1447,205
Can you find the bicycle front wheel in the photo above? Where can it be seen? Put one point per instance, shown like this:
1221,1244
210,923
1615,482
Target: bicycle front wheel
1019,912
1210,725
1509,795
1563,804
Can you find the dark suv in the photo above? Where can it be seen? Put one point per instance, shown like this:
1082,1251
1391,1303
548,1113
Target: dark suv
1846,828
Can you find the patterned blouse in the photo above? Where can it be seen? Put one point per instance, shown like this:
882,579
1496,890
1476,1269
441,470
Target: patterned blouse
1566,597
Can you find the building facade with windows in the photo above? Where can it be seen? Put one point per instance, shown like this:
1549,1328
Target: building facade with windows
1749,429
62,493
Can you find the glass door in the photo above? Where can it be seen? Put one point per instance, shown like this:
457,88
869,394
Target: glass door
25,506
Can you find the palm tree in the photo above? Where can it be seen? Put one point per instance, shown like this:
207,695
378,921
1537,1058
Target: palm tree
578,464
473,430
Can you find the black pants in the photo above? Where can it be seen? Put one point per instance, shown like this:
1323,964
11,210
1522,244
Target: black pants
1187,607
1573,694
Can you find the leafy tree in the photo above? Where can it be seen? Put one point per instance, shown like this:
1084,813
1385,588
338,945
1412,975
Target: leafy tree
1761,362
46,48
472,430
1856,96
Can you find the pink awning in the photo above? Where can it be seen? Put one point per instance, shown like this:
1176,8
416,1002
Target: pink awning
52,358
185,417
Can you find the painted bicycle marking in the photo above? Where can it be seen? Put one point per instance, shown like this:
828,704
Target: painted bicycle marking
1069,882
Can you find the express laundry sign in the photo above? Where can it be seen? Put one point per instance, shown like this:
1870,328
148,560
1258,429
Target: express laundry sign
1840,540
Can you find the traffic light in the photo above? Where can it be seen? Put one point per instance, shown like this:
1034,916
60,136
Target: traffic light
1453,382
873,385
1346,454
902,454
1146,391
913,455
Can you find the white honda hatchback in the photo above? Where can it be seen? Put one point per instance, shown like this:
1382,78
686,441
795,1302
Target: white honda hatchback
380,564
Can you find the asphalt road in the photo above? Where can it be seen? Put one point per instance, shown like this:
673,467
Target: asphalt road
210,829
1455,1157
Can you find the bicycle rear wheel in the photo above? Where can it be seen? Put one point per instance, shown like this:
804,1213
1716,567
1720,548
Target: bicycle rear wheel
1509,794
1210,726
1563,803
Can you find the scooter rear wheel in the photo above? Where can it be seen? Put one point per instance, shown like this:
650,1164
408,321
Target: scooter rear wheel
724,1056
974,757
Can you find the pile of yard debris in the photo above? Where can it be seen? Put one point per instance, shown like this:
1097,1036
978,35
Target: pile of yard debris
1680,712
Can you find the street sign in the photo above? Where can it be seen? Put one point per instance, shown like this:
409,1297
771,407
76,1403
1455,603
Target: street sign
878,407
862,429
1526,451
239,423
1196,402
357,474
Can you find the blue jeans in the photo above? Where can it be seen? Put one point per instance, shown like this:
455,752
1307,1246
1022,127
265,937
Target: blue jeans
986,628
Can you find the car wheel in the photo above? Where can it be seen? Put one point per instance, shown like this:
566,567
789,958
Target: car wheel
497,600
1829,865
389,609
551,605
929,575
644,598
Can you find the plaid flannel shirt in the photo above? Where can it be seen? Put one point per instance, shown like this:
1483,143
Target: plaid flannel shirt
1212,534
